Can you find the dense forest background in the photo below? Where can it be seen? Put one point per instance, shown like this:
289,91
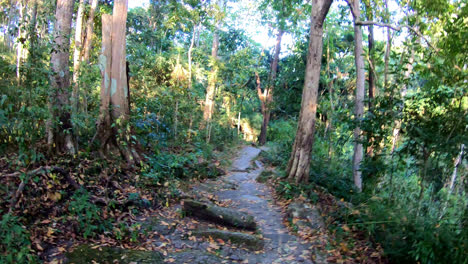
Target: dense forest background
382,124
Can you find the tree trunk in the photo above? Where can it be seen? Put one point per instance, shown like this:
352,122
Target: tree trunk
267,97
210,90
59,126
388,47
89,32
114,91
360,91
299,163
20,41
104,131
88,42
77,55
189,55
371,73
403,91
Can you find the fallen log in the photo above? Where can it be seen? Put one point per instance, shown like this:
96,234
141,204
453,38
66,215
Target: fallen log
219,215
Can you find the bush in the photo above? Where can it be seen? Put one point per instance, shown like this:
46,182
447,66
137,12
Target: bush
15,246
87,215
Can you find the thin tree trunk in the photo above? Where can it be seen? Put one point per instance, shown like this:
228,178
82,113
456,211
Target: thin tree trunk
360,91
372,75
403,91
299,162
189,55
388,47
332,105
60,133
267,96
20,40
457,163
89,32
77,54
210,90
88,42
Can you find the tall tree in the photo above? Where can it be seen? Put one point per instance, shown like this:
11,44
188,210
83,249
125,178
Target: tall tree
77,54
212,79
266,96
360,91
59,126
88,43
113,129
299,162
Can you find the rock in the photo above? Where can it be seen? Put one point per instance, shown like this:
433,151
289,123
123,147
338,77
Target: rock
85,254
219,215
194,257
306,217
155,224
240,239
298,210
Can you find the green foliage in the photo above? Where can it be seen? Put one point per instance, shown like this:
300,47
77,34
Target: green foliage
15,246
87,215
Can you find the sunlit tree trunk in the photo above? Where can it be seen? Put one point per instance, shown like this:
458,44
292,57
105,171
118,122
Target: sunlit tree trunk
266,97
88,42
189,54
371,73
77,54
299,162
20,40
115,107
388,47
360,91
89,32
210,90
59,126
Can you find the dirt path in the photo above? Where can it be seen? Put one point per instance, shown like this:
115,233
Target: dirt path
177,237
256,199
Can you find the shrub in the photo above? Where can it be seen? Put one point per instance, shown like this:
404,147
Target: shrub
15,246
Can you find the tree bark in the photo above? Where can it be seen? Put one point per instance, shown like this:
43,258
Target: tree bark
371,73
299,163
77,54
360,91
59,125
210,90
189,55
266,97
388,47
20,41
89,32
114,91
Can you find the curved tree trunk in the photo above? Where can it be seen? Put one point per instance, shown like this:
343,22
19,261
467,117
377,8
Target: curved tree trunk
360,91
299,163
59,126
266,97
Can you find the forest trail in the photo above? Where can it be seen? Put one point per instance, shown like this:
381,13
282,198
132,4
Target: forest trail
205,240
256,199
